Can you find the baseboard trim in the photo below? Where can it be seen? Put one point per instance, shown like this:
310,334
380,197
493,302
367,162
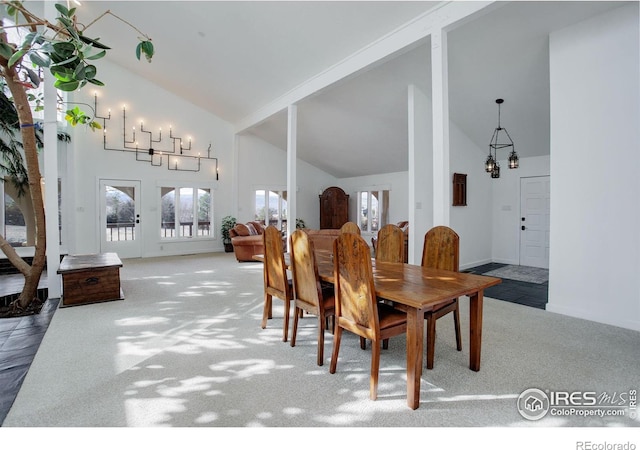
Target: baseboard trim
475,264
587,315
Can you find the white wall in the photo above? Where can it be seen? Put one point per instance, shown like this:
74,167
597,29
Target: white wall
260,165
595,166
158,108
473,222
505,207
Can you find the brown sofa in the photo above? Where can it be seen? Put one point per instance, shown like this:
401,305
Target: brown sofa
247,240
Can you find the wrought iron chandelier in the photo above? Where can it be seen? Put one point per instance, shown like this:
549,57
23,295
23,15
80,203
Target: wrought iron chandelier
497,142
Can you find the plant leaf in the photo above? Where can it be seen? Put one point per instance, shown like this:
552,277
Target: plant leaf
80,72
15,57
40,59
94,43
5,50
90,71
66,61
97,55
62,74
147,49
62,9
35,79
67,86
96,82
64,49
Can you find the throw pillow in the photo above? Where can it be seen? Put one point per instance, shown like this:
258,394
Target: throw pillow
242,230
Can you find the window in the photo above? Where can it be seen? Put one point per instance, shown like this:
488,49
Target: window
185,212
17,222
271,208
373,210
15,228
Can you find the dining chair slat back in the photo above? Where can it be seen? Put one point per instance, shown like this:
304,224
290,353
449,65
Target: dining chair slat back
441,251
357,308
350,227
276,281
309,294
390,244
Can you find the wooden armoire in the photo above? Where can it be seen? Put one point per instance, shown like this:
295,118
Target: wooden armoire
334,208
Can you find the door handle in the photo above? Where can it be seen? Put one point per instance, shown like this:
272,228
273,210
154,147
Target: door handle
523,227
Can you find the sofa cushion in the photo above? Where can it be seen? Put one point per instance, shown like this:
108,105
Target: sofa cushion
243,230
252,230
257,226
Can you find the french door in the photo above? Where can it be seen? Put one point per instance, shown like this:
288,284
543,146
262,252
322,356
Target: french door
534,221
119,218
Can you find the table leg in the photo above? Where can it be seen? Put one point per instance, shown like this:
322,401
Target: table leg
415,339
475,330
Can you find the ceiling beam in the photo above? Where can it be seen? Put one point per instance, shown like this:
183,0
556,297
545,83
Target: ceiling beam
443,16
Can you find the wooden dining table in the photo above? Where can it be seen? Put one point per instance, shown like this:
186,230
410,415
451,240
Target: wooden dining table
416,290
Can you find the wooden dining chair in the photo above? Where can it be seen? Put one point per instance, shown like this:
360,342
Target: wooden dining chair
390,244
309,294
276,282
357,309
441,251
350,227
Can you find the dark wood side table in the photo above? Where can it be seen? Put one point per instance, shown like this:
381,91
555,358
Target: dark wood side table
90,279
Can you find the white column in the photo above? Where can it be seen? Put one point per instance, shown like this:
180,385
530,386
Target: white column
235,178
420,168
440,99
51,175
292,150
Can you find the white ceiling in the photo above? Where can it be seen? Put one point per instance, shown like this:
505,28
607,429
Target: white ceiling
234,57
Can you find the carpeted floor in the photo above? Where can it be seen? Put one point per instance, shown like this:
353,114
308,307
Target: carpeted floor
185,349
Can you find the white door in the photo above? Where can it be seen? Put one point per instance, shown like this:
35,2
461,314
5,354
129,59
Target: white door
534,221
119,218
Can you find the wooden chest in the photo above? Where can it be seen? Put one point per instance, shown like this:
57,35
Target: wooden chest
90,278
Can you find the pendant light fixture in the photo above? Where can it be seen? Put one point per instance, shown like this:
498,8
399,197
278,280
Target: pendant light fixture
499,142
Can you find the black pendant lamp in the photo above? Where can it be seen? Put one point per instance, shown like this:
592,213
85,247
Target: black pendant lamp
500,140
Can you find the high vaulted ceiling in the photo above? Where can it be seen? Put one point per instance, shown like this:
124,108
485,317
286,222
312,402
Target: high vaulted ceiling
233,58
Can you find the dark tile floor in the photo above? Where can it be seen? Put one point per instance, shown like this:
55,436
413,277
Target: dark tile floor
529,294
20,337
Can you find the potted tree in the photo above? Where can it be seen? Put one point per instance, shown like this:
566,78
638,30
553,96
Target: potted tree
68,53
228,223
